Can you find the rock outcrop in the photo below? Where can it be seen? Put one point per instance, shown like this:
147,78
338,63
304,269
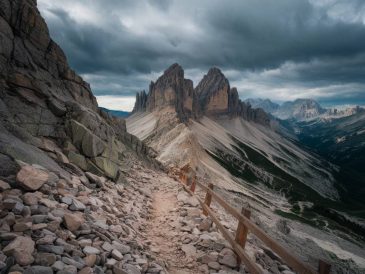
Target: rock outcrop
170,90
213,93
43,101
211,97
217,98
141,101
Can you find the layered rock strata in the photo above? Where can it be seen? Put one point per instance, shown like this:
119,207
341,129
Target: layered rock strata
211,97
42,97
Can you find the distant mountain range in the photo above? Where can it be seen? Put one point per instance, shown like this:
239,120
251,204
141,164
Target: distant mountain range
117,113
265,104
300,109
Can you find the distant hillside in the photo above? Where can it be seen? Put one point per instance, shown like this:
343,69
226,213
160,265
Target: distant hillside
300,109
117,113
340,141
266,104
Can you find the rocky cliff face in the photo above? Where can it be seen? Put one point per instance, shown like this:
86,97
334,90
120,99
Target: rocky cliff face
211,97
171,89
141,101
68,171
42,99
213,92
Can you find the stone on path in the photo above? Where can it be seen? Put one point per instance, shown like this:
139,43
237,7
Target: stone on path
228,258
90,250
73,221
21,248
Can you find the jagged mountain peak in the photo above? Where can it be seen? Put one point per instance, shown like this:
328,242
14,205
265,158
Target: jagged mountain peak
174,69
215,71
173,77
266,104
212,92
212,97
213,81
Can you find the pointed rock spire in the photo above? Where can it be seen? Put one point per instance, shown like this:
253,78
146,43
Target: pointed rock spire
212,92
141,100
212,96
170,89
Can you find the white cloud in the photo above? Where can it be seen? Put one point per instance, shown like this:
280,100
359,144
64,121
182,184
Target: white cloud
125,103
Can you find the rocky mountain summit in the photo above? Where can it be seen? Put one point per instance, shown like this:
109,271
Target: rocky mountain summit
211,97
171,89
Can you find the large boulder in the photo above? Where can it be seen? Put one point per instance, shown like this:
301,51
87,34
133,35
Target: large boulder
77,159
90,144
21,248
32,178
73,221
109,167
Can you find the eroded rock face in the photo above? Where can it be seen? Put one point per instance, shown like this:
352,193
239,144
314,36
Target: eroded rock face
212,97
41,96
171,89
141,101
212,92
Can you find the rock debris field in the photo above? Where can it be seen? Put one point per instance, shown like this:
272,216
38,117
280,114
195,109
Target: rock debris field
88,224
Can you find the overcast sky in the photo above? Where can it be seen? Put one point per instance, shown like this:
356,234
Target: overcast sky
277,49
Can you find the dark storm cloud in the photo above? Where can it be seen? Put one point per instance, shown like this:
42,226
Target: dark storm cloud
271,45
255,36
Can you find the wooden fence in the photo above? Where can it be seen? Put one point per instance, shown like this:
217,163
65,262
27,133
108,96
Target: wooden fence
245,225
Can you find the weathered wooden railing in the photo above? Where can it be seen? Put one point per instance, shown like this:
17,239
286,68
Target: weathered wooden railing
245,225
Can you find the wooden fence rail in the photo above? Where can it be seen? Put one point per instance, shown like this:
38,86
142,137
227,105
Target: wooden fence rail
245,225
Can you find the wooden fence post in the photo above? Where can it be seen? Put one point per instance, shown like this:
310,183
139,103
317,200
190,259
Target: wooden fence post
324,267
183,178
193,184
208,199
242,230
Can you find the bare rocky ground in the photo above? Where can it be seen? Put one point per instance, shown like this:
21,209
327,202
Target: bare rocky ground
183,240
89,224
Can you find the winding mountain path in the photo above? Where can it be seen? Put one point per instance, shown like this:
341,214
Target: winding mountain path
163,230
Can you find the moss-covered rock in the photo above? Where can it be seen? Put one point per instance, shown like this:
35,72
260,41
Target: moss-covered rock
90,144
93,168
109,167
78,160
